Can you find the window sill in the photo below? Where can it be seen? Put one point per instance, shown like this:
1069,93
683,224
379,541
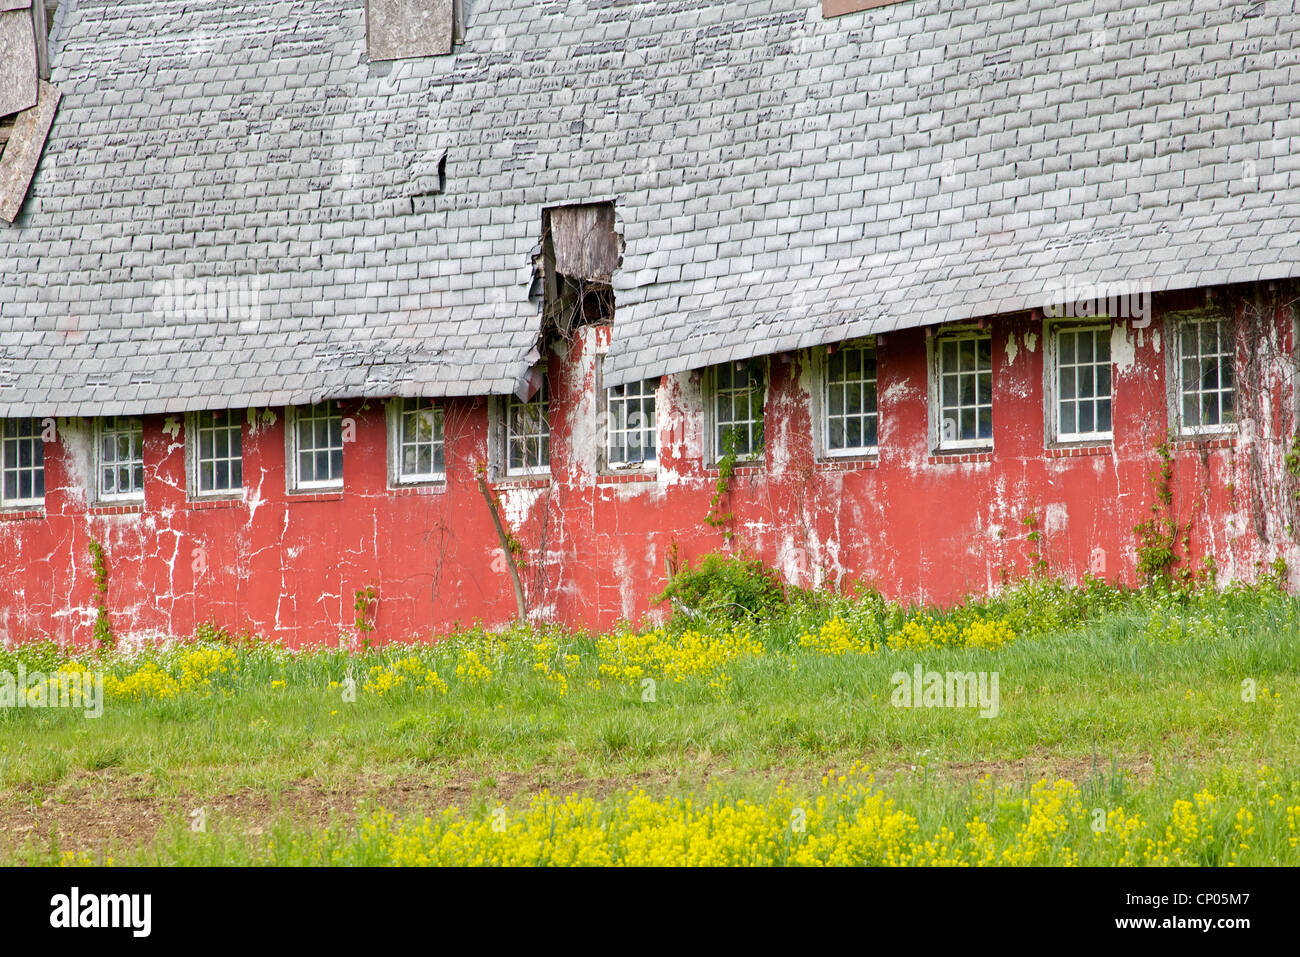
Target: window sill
418,488
202,504
624,478
712,471
123,508
848,463
21,514
973,456
524,481
1209,440
336,495
1073,451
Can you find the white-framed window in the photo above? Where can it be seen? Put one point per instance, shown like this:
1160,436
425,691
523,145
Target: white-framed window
22,463
315,453
1081,383
1206,390
527,430
216,449
963,405
631,432
850,415
119,463
736,404
417,441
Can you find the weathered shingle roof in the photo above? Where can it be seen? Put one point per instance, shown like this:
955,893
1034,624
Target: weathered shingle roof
781,181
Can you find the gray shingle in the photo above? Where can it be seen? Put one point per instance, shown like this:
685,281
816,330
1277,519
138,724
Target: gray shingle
225,200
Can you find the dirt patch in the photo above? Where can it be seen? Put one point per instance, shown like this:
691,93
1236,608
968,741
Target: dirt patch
107,811
111,812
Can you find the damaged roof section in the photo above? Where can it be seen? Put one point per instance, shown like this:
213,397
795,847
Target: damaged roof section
783,179
27,103
18,66
22,150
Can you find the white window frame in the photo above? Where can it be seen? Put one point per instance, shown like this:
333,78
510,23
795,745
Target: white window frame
9,443
822,406
1053,385
712,419
193,454
101,432
938,441
607,403
1177,356
505,404
293,415
398,411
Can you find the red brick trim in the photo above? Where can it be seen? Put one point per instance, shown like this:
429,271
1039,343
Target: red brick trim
1195,445
202,504
714,472
960,458
15,515
847,464
1073,451
542,481
631,477
302,497
421,488
137,509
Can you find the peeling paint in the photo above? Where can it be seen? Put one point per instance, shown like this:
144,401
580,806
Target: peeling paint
594,546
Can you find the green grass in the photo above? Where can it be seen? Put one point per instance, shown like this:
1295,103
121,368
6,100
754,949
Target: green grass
1135,697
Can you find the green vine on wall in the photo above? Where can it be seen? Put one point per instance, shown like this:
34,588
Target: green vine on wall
727,463
99,569
363,605
716,518
1157,549
1035,538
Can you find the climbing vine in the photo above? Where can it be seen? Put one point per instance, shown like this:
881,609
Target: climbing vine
364,601
1038,561
727,464
103,633
1157,548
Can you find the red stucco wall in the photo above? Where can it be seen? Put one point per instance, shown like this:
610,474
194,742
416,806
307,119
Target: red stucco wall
918,527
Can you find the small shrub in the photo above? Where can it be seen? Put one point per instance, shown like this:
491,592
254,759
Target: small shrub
724,587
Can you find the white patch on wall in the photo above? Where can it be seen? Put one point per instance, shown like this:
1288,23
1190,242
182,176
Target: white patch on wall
77,436
1013,349
1031,341
586,426
900,391
517,504
1122,350
683,414
1055,517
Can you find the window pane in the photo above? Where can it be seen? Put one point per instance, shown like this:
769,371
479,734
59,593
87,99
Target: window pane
1067,418
1067,384
1067,348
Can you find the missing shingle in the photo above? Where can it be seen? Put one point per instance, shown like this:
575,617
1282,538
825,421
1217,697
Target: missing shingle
433,186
